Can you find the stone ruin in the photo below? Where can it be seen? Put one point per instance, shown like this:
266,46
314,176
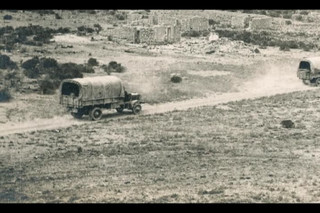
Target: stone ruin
141,28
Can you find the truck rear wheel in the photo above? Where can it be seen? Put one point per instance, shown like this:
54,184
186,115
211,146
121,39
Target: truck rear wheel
317,81
77,115
120,109
95,114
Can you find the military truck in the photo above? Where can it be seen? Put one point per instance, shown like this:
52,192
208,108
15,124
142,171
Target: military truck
89,96
309,70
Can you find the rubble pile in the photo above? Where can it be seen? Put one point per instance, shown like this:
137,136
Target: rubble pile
208,45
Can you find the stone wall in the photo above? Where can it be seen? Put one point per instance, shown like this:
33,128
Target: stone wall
240,22
160,33
196,23
146,35
261,24
124,32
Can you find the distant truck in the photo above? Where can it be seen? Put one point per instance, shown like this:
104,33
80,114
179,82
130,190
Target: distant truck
309,70
88,96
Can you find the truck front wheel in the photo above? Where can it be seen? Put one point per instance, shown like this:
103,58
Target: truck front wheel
95,114
136,109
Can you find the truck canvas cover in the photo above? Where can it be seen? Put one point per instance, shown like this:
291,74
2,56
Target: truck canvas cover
314,64
93,88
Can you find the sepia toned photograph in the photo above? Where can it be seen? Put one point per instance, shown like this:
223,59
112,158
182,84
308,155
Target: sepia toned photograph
159,106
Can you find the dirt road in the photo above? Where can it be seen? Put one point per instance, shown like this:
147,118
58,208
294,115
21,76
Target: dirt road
269,83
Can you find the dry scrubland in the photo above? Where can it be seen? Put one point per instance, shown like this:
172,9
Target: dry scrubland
235,152
231,152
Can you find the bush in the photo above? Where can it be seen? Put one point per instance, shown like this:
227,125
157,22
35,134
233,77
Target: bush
304,12
83,29
47,87
288,22
284,47
5,94
7,17
176,79
6,63
287,16
274,13
113,66
57,16
31,63
93,62
31,67
213,22
32,73
191,33
97,27
299,18
120,15
68,70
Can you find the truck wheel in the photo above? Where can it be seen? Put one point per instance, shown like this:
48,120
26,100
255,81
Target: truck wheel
77,115
317,81
306,82
136,109
95,114
120,109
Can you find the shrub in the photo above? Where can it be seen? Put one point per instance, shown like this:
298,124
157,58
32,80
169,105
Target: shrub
31,73
5,94
68,70
48,63
7,17
97,27
113,66
31,67
284,47
176,79
299,18
57,16
287,16
63,30
6,63
274,13
83,29
304,12
85,68
120,15
191,33
93,62
288,22
213,22
47,87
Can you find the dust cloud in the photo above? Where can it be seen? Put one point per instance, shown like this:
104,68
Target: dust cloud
273,78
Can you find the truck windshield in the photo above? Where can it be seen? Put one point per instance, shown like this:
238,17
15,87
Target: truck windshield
304,65
70,88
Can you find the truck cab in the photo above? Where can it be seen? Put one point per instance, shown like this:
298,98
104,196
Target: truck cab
309,70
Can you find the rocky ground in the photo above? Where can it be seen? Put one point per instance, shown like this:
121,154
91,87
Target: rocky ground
214,137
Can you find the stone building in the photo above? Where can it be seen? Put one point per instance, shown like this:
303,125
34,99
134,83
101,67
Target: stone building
127,33
195,23
261,24
240,22
156,34
159,34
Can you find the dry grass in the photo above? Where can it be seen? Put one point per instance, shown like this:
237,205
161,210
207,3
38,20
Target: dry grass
239,153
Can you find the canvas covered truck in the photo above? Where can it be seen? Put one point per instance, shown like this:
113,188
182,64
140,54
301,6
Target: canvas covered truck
89,96
309,70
